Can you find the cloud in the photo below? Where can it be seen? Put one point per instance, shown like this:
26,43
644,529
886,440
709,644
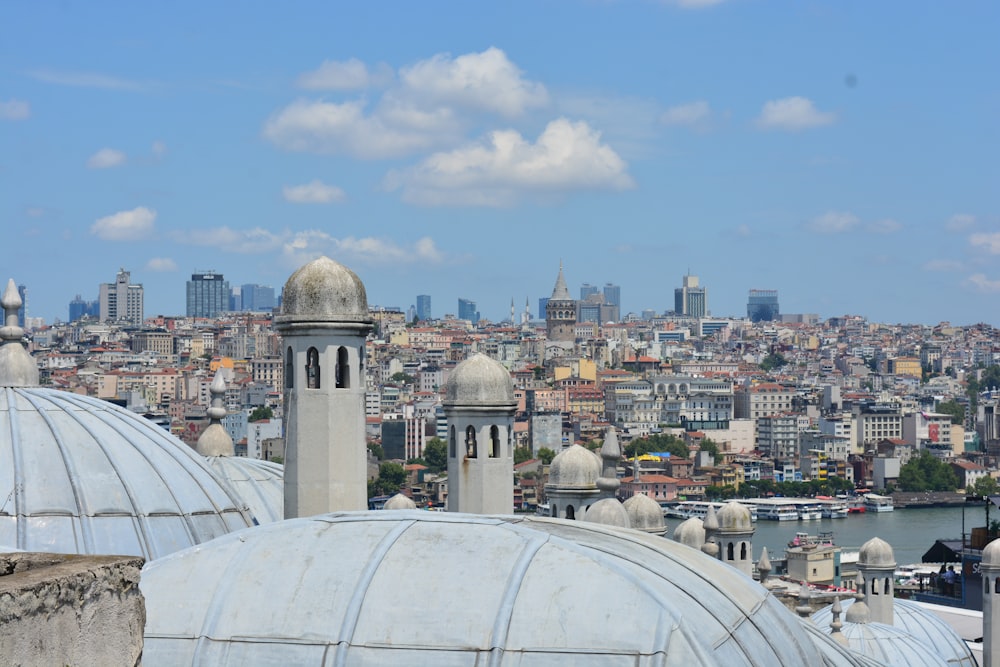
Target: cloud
833,222
744,231
159,149
960,222
345,75
161,265
941,265
990,242
793,113
14,110
226,239
314,192
981,283
496,172
88,80
886,226
691,113
133,225
106,158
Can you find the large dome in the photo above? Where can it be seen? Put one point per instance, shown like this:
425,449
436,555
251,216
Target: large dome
575,468
516,591
324,290
85,476
480,381
260,484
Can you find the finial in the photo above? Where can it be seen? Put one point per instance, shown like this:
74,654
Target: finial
611,453
836,624
763,566
214,440
17,367
804,609
711,523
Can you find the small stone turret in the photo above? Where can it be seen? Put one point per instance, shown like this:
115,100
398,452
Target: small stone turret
876,565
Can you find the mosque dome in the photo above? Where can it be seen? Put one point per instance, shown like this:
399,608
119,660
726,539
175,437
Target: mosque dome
923,625
690,532
734,517
575,467
991,554
517,591
259,484
835,653
480,381
324,290
89,477
876,552
609,512
890,646
399,502
645,514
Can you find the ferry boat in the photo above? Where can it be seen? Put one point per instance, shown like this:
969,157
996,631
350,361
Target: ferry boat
698,509
834,509
876,503
774,509
809,511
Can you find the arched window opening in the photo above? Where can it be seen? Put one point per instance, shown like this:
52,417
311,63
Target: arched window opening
729,551
361,359
743,550
494,442
886,589
570,512
289,369
343,369
470,443
451,442
312,368
986,585
996,585
874,587
554,510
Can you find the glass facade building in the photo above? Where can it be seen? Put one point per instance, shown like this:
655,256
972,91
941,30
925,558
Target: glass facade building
207,294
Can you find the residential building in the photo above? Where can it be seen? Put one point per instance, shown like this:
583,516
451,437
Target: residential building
778,437
761,400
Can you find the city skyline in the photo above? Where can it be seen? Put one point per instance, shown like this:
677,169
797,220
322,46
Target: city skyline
838,154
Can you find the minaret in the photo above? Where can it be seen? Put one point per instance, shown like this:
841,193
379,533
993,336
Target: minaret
512,320
735,535
990,566
876,565
526,315
18,368
479,406
323,324
214,440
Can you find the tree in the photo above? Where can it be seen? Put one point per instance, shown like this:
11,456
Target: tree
436,454
985,486
772,361
261,412
546,455
522,454
710,446
376,450
953,408
402,378
926,473
657,443
391,477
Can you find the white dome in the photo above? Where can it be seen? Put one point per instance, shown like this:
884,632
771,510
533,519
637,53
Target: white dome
991,553
609,512
399,502
516,591
575,467
324,290
88,477
690,532
645,514
734,517
890,646
259,484
876,552
480,381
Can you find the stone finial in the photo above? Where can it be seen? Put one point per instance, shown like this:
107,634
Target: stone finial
214,440
836,624
804,609
764,566
17,367
611,453
711,524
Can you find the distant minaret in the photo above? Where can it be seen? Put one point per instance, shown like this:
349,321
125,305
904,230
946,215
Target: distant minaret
990,566
323,323
876,565
526,315
512,320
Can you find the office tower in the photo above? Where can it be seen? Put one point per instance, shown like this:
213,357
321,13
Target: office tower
587,289
256,298
613,299
78,308
762,306
121,300
467,310
235,300
423,307
542,303
690,299
207,294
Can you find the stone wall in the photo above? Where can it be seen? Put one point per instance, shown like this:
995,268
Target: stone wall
70,610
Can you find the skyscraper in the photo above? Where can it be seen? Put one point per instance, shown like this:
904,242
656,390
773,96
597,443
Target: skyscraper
257,298
613,298
762,305
467,310
587,289
207,294
690,299
423,307
121,300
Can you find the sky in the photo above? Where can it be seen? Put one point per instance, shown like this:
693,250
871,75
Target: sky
843,153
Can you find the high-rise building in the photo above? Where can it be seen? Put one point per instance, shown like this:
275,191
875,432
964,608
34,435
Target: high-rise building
207,294
543,301
613,299
762,305
256,298
121,300
423,307
78,308
690,299
467,310
587,289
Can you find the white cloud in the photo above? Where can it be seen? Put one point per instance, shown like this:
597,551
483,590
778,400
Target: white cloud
960,222
885,226
159,149
88,80
486,81
314,192
980,282
793,113
691,113
345,75
833,222
131,225
106,158
242,241
496,172
990,242
941,265
14,110
161,265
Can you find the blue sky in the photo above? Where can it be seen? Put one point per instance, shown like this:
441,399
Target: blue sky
842,153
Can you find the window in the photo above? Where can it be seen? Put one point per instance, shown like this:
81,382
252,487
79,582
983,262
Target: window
451,442
312,369
494,442
343,369
570,512
289,369
470,442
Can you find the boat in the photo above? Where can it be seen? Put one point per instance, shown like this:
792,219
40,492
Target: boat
698,509
855,505
834,509
774,509
809,511
876,503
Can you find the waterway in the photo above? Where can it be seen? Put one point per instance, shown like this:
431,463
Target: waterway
911,532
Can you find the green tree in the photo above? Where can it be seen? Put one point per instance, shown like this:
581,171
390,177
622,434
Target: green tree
391,477
436,454
657,442
772,361
262,412
710,446
401,378
985,486
953,408
522,454
594,445
546,455
926,473
376,450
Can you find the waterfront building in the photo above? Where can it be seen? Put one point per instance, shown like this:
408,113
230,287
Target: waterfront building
762,305
121,300
207,294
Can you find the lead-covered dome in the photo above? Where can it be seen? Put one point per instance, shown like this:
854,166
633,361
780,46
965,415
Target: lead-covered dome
479,381
324,290
87,477
734,517
575,467
259,484
876,552
517,591
645,514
